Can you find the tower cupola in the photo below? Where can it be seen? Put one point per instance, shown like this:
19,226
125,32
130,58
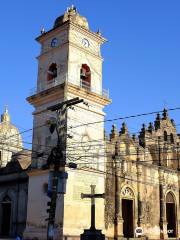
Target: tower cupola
73,16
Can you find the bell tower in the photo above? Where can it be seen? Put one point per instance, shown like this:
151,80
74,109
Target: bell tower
69,66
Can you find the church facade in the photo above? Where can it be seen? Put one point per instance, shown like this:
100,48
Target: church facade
144,171
139,175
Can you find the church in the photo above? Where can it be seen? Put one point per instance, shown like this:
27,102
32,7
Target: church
14,162
138,175
144,170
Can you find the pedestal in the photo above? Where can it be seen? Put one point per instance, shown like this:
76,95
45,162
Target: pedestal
92,234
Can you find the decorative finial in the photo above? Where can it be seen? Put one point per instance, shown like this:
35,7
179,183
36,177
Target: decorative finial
43,30
72,9
6,108
150,127
5,117
143,129
124,129
134,137
158,117
165,114
157,122
142,136
114,132
99,32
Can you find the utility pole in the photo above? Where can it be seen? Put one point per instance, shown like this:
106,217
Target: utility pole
58,159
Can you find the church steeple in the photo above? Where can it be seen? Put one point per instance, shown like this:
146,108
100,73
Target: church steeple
70,66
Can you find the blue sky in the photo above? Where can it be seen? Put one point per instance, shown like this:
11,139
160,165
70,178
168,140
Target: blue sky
141,58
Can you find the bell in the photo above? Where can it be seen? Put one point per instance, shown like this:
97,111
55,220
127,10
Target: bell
83,74
50,73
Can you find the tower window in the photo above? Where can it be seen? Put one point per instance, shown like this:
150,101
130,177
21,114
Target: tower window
52,72
85,76
165,136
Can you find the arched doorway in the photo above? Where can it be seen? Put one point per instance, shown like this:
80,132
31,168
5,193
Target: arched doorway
128,212
171,215
6,216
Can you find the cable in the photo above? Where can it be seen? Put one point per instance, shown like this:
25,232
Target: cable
126,117
122,177
108,120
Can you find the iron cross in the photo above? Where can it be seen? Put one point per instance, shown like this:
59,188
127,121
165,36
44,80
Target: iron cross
92,196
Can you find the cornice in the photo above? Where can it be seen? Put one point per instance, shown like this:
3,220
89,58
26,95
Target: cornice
54,93
82,93
47,96
70,24
51,32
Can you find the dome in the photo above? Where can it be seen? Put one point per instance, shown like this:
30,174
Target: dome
10,139
72,15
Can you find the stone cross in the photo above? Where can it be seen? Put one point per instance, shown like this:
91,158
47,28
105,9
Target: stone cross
92,196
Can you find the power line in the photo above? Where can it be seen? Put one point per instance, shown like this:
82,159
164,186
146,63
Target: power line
126,117
112,174
108,120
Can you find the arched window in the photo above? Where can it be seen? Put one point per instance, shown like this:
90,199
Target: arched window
171,215
165,136
52,72
6,216
171,138
85,76
169,198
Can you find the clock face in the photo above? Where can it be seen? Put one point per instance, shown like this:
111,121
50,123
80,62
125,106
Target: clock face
85,43
54,42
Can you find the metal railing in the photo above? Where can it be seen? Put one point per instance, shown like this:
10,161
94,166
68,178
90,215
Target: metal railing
68,79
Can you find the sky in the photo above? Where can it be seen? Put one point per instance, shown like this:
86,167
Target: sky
141,58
